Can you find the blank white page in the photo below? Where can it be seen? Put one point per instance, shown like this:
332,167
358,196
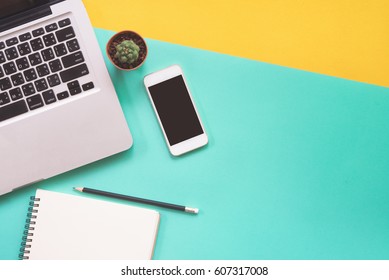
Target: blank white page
70,227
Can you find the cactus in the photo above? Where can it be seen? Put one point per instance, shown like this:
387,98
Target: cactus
127,52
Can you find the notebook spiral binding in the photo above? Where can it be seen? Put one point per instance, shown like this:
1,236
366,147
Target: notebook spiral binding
29,228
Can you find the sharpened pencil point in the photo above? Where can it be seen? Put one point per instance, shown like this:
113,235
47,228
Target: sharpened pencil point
191,210
80,189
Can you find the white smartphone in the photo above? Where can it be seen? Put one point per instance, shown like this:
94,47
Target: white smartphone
177,115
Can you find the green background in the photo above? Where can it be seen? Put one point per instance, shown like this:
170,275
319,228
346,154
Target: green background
296,166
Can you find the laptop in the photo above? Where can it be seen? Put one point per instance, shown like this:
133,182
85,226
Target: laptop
58,107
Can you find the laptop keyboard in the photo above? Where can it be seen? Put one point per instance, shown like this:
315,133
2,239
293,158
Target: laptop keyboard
34,65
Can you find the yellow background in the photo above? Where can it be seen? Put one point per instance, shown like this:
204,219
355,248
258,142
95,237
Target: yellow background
348,39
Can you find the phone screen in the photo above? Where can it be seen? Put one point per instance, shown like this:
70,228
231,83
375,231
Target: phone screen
175,110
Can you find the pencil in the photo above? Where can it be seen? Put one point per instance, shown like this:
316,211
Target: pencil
139,200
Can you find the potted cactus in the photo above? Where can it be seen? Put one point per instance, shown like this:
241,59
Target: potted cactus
127,50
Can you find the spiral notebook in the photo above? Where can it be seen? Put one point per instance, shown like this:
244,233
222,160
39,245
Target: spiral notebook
68,227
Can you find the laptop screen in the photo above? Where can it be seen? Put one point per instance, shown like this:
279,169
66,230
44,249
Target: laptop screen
11,7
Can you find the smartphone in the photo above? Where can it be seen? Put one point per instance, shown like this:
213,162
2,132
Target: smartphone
177,115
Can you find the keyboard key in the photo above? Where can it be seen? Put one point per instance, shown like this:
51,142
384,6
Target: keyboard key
72,59
49,40
74,88
73,45
1,72
17,79
53,80
51,27
24,49
64,22
74,73
73,84
88,86
36,44
15,94
38,32
4,98
49,96
13,110
25,37
28,89
35,59
48,54
55,65
11,53
60,50
62,95
5,84
2,57
41,85
2,45
12,41
30,74
35,101
42,70
65,34
75,91
22,63
9,68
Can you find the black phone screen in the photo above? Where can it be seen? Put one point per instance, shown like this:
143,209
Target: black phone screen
175,110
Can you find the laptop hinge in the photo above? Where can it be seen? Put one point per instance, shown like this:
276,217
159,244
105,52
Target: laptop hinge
22,19
27,16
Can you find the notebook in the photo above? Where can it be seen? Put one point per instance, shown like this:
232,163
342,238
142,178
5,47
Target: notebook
68,227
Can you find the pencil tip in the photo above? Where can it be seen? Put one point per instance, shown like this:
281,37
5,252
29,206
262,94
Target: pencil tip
80,189
191,210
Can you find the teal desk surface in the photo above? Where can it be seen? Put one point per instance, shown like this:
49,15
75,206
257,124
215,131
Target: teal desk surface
296,166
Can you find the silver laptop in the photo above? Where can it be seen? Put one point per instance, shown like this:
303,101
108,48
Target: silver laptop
58,107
